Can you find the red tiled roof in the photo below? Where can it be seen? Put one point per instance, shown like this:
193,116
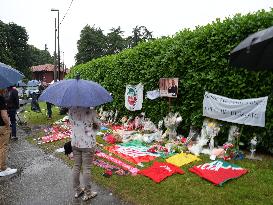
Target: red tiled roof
45,67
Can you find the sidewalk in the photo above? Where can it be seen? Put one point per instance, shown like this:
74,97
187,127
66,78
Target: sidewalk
42,179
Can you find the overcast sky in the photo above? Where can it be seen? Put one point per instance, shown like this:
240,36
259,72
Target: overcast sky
162,17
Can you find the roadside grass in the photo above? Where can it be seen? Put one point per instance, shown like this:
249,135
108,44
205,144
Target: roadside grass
39,118
253,188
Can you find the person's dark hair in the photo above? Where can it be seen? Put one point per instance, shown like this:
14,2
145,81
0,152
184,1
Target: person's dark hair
10,87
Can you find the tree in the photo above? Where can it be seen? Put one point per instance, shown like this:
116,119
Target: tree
5,54
39,57
114,41
16,45
92,44
140,33
15,51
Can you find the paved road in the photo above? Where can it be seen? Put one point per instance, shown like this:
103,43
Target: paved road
42,179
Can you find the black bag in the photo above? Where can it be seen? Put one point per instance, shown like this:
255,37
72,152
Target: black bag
67,148
63,110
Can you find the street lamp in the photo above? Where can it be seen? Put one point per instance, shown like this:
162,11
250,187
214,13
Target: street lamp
59,62
55,60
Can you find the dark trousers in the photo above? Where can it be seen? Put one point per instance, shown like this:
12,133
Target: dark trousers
12,117
49,110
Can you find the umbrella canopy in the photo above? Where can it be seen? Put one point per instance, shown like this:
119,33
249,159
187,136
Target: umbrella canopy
76,92
33,83
53,82
255,52
9,76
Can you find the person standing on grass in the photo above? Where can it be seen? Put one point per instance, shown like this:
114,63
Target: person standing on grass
12,105
4,137
84,124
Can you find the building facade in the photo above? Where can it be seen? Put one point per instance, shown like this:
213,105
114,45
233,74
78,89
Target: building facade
45,73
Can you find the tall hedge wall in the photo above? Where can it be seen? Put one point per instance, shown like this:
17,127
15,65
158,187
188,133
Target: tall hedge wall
200,59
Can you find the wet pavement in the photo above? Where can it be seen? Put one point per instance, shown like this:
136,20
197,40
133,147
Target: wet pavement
42,179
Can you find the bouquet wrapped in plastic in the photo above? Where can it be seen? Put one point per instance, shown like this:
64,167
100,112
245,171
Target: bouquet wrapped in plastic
171,122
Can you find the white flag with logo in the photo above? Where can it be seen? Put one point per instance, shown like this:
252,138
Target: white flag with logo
134,97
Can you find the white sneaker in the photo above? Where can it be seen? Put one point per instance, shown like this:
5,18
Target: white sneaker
7,172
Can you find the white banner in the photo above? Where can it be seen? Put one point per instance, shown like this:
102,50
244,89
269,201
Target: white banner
134,97
247,111
153,94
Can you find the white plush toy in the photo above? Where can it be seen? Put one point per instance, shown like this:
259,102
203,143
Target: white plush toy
210,130
233,133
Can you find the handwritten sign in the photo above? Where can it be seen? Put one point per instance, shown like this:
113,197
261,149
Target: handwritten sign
247,111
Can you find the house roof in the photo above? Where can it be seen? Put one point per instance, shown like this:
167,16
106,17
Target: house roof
45,67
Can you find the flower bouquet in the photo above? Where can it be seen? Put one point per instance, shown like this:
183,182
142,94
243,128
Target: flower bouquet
171,122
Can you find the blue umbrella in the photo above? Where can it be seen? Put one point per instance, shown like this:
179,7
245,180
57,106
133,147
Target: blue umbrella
33,83
9,76
76,92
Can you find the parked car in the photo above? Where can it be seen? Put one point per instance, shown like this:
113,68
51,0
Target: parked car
32,89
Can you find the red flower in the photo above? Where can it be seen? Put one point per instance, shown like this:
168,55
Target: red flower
183,140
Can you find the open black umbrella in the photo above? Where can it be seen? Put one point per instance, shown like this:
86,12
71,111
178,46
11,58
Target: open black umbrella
255,52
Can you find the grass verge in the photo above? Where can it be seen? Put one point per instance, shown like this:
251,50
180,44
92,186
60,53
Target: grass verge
253,188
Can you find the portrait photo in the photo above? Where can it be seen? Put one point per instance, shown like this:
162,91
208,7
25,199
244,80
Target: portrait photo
168,87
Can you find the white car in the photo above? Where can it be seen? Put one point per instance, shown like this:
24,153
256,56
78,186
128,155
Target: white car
32,89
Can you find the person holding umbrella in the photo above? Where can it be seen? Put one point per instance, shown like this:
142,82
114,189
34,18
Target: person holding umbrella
4,137
84,128
8,76
81,97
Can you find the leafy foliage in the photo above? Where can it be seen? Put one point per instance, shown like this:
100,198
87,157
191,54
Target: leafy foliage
14,47
94,44
39,57
114,41
200,59
5,54
15,51
91,44
140,34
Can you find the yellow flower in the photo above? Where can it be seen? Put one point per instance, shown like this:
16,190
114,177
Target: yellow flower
211,124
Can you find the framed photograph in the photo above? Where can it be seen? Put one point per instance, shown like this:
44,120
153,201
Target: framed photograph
168,87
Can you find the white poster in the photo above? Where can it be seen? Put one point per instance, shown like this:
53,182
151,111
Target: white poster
247,111
134,97
153,94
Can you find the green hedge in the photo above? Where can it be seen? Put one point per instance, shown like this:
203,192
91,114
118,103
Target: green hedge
200,59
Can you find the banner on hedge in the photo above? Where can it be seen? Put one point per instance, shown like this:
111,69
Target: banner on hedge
134,97
247,111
